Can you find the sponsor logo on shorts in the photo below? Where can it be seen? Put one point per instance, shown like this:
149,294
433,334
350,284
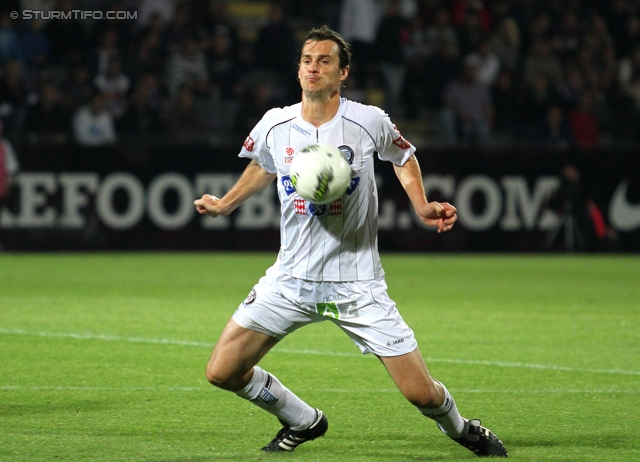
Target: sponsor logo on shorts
345,309
251,297
395,342
339,297
328,309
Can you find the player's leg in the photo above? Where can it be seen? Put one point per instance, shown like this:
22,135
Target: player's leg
233,367
433,400
379,328
264,318
431,397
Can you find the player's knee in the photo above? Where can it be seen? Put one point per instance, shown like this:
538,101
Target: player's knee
429,396
222,379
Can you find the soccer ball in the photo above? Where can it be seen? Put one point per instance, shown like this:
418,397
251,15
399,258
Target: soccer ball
320,173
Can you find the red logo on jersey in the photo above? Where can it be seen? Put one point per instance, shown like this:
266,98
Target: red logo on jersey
249,143
402,143
299,205
288,153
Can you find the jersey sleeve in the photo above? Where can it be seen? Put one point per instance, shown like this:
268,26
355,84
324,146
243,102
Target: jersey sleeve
255,146
391,144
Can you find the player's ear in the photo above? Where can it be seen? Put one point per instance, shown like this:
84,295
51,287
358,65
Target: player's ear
344,73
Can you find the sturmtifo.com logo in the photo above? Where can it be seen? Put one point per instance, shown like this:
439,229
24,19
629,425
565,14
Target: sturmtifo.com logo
73,14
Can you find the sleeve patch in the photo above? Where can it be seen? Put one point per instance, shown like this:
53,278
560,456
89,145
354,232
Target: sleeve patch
249,144
402,143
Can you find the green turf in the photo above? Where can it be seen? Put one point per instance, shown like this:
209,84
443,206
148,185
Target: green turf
103,358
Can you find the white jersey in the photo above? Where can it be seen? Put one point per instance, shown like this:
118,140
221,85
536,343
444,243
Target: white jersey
336,241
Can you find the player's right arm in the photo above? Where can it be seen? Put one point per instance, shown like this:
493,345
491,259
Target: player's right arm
253,180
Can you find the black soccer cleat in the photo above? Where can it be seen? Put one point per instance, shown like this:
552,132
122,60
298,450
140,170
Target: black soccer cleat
288,439
480,440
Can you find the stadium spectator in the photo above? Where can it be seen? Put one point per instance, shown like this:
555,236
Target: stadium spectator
441,33
13,97
631,37
221,60
146,112
572,86
473,24
628,67
179,28
541,60
150,56
259,98
440,69
164,10
9,166
108,49
555,132
184,118
188,65
391,38
359,21
77,88
597,35
48,121
535,101
467,112
506,37
68,39
507,107
462,10
623,25
35,44
10,46
567,38
487,62
275,48
114,85
93,125
584,124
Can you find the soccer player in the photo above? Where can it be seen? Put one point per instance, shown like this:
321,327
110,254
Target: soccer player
328,267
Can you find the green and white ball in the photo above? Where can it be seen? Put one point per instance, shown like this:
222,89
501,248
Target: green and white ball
320,173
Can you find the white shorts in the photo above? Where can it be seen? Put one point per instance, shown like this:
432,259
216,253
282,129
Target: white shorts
280,304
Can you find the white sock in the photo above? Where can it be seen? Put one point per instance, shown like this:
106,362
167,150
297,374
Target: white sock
265,391
446,416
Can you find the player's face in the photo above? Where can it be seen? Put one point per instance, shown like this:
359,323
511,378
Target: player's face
319,69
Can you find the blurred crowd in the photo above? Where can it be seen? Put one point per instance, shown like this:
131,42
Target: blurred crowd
549,73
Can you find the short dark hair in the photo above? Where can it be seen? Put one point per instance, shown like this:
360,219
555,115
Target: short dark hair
318,34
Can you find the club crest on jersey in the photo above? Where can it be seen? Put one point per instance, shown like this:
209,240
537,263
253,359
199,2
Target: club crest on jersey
348,153
288,154
303,207
249,143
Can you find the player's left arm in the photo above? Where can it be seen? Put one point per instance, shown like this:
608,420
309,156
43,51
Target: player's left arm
441,215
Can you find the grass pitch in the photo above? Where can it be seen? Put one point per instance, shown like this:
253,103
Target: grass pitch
103,358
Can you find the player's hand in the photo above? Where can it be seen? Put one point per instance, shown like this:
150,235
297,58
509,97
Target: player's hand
207,204
441,215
